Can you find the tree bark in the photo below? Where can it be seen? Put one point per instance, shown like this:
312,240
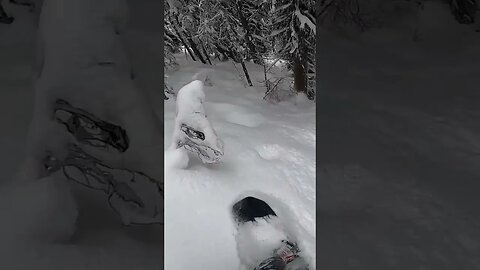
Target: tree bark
248,35
238,59
184,43
246,73
221,51
233,56
195,49
299,77
300,61
192,43
206,54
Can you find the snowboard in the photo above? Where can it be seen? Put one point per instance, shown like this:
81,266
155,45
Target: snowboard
257,223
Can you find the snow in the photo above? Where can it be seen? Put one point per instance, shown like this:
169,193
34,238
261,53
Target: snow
269,152
48,222
176,158
398,167
39,210
304,20
53,224
83,61
191,117
86,63
256,240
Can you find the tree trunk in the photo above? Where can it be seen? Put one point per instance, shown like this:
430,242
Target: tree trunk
184,43
299,77
192,44
300,61
248,35
246,72
233,56
221,51
238,59
206,54
195,49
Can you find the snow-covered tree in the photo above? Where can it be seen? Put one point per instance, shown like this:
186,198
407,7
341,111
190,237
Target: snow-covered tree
247,30
294,29
171,45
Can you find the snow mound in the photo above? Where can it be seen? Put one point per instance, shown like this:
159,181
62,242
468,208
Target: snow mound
176,158
43,210
193,131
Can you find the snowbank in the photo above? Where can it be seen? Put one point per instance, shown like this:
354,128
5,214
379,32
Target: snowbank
268,148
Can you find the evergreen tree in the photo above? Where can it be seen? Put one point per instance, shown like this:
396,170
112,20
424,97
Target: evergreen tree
247,30
294,29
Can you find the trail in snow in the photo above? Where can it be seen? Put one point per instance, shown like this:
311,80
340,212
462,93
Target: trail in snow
268,148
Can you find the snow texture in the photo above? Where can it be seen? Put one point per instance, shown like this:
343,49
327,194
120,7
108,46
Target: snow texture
82,62
193,131
80,53
259,238
398,144
176,158
269,154
44,210
256,240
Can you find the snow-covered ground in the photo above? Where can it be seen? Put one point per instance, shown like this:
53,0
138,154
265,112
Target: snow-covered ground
399,145
269,150
35,216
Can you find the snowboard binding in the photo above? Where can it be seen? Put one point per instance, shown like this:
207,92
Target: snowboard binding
89,129
247,213
204,151
285,254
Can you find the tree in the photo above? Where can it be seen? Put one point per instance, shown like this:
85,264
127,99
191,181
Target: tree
247,30
294,28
